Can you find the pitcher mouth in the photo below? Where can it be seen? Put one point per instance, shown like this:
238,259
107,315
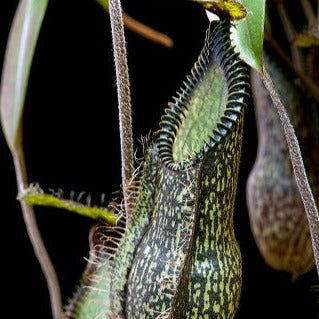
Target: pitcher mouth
218,73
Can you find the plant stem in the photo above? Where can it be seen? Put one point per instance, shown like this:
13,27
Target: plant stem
124,100
307,82
298,167
36,239
290,33
147,32
140,28
309,13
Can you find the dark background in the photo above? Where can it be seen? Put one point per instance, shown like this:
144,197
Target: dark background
72,142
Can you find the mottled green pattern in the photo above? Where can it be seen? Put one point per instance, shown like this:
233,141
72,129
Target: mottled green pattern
102,292
202,278
204,108
160,255
126,251
213,276
178,258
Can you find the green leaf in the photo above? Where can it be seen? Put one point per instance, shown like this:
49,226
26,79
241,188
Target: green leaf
248,33
16,69
34,196
104,4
